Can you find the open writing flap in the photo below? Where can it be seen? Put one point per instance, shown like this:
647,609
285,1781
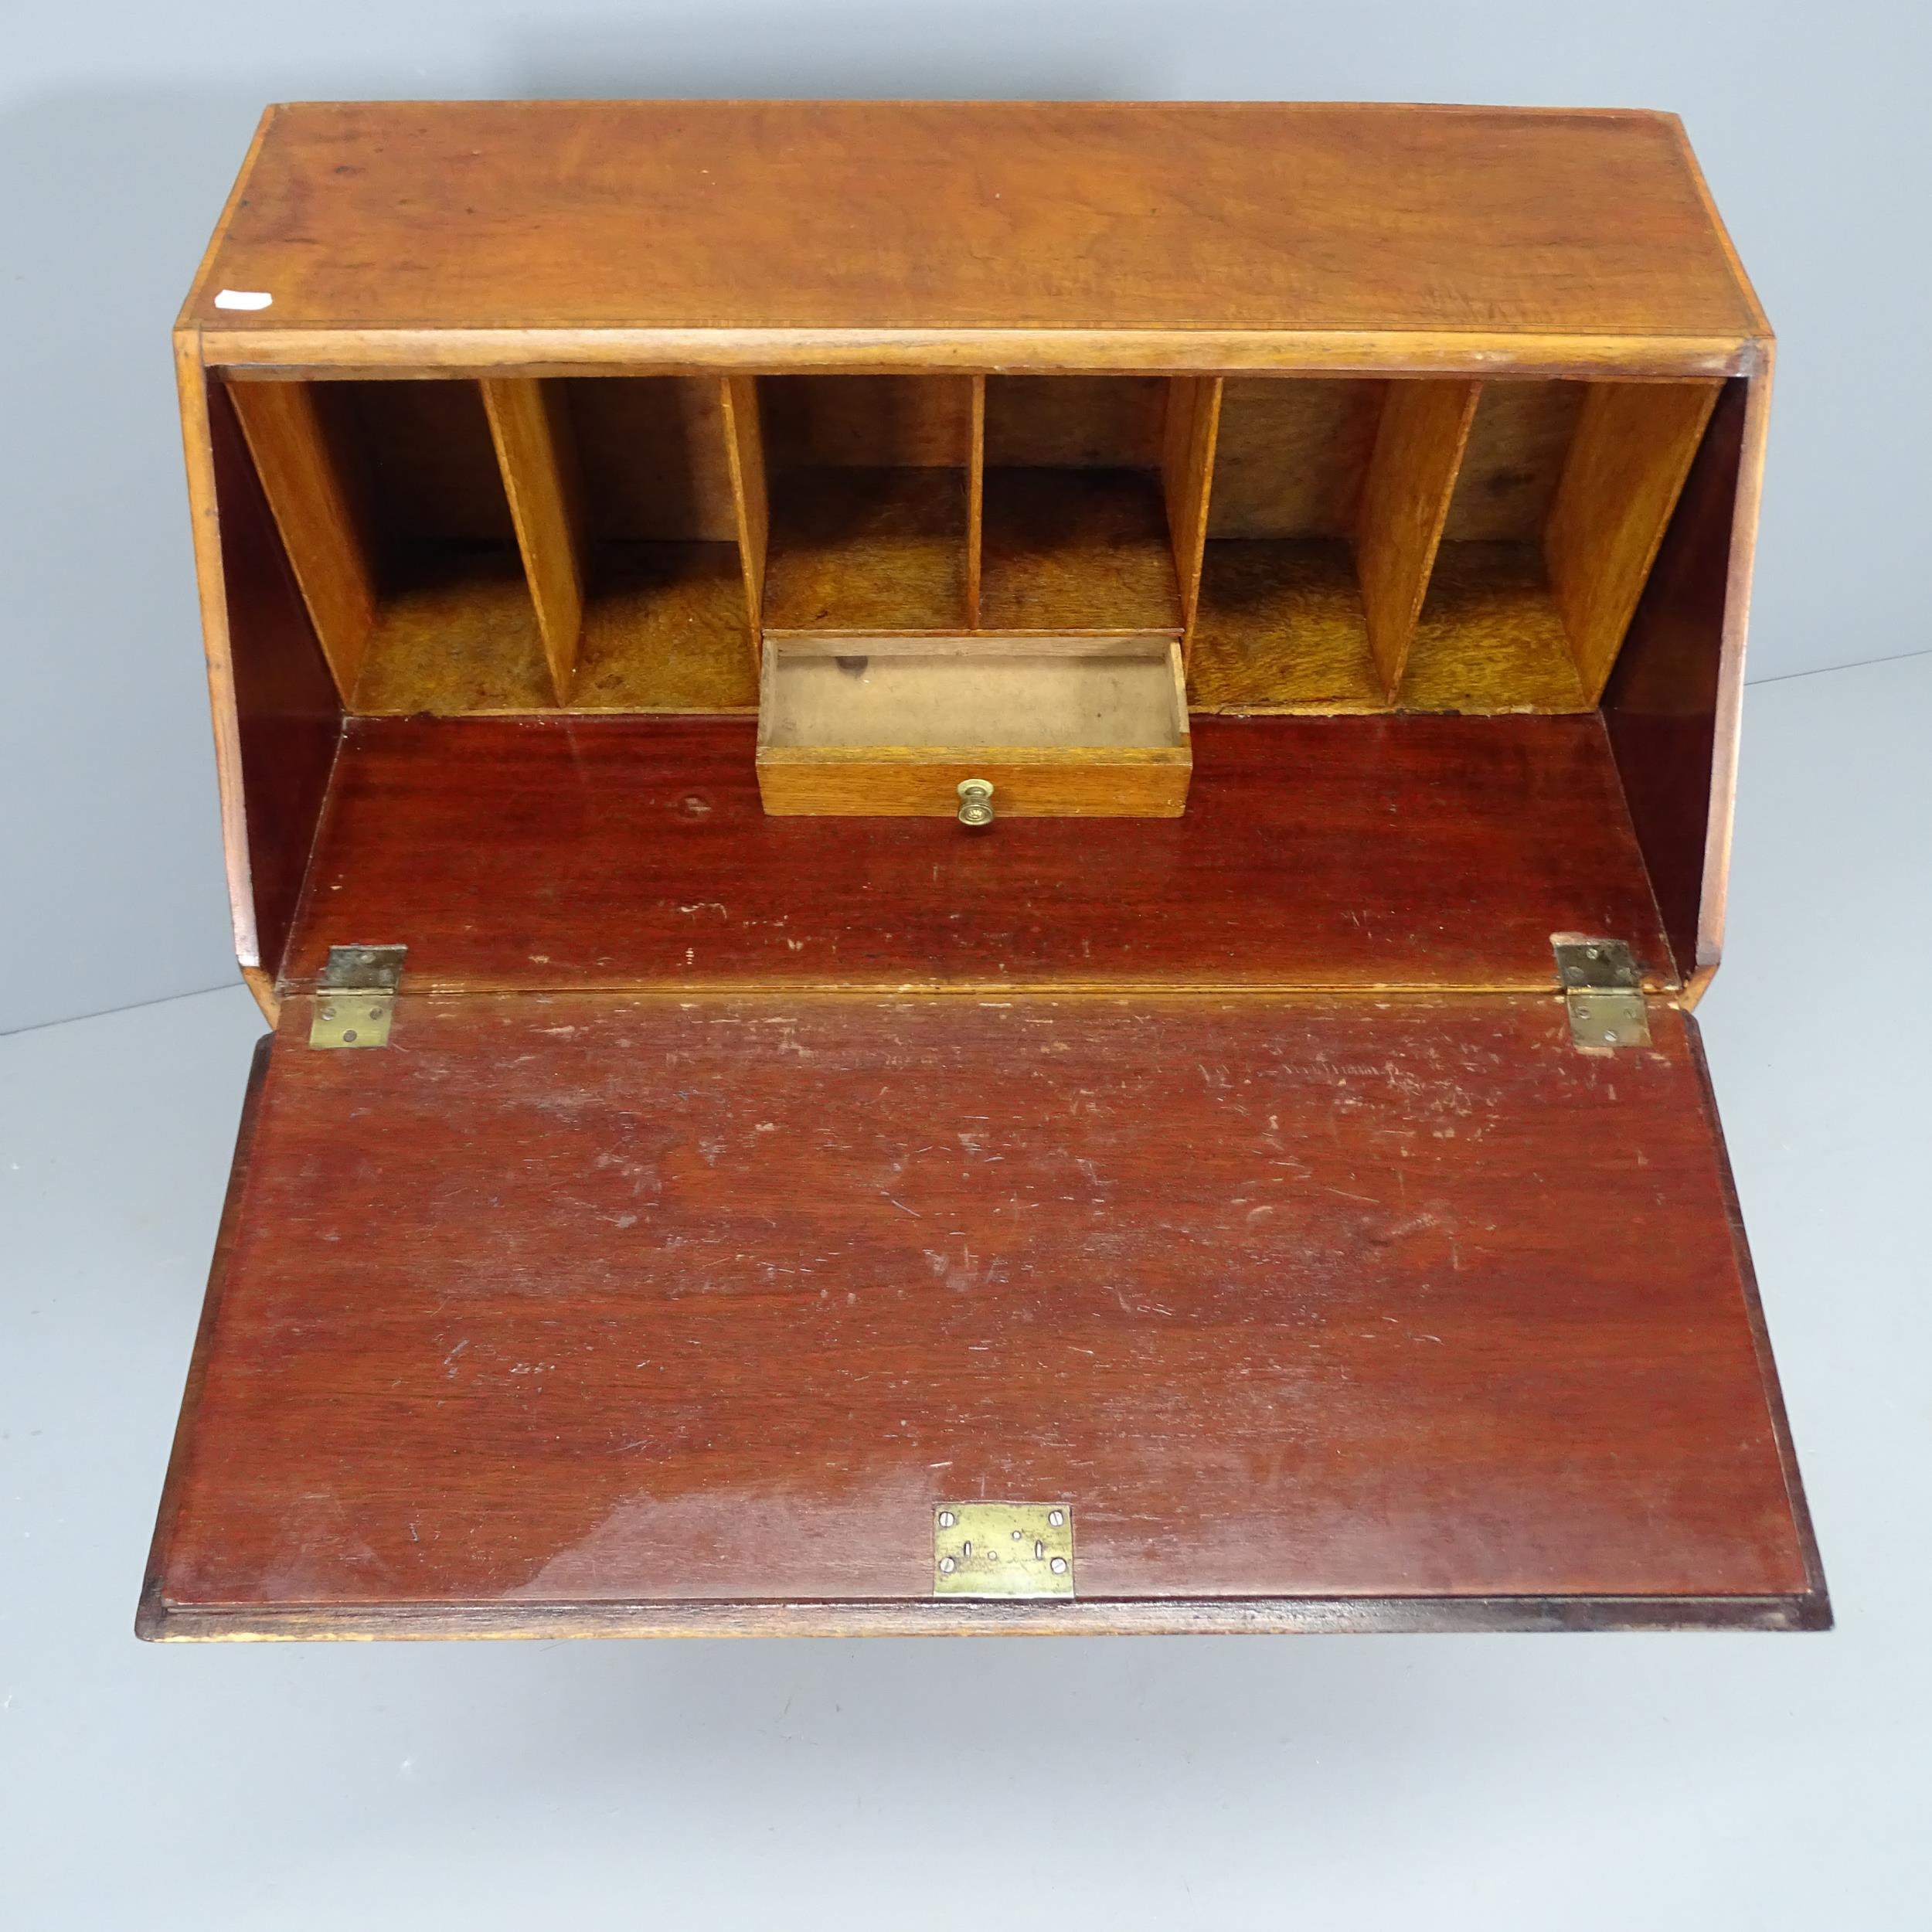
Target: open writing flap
605,1312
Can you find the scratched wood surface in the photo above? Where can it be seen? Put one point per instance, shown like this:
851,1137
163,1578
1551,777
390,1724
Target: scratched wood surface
1349,852
869,215
675,1300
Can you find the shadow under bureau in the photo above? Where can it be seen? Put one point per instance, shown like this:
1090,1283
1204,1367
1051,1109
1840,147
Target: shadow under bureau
978,837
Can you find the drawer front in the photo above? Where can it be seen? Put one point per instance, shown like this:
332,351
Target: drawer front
1050,784
1058,727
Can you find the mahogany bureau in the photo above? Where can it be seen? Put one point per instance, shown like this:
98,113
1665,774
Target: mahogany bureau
979,838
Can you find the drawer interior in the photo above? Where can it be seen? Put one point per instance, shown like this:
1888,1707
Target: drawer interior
957,693
1079,727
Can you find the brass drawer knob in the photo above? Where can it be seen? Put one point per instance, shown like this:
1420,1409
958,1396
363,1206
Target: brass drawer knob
975,801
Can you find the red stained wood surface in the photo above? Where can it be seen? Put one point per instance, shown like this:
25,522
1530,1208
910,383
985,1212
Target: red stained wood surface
1315,852
564,1302
288,717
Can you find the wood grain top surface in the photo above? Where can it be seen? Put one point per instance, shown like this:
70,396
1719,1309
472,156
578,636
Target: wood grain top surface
561,1302
787,215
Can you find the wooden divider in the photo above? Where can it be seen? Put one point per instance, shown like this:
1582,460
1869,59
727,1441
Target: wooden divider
1425,544
1405,501
319,511
1565,492
976,504
1634,445
1066,554
744,444
392,506
1187,464
534,452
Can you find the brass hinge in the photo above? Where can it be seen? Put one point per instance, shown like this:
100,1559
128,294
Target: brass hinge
1605,992
1003,1550
355,997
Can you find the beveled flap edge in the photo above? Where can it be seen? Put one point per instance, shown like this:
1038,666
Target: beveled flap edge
1817,1594
153,1614
1204,1616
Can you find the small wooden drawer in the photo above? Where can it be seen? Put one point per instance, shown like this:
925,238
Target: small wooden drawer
892,727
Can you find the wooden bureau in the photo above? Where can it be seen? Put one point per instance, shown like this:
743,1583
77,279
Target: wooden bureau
979,837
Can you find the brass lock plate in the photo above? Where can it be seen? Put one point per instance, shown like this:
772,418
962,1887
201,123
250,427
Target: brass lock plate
1003,1550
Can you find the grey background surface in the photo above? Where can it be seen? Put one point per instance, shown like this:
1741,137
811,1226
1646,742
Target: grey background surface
121,127
1596,1784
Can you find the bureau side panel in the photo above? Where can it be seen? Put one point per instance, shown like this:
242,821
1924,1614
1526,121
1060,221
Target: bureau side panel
1671,707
